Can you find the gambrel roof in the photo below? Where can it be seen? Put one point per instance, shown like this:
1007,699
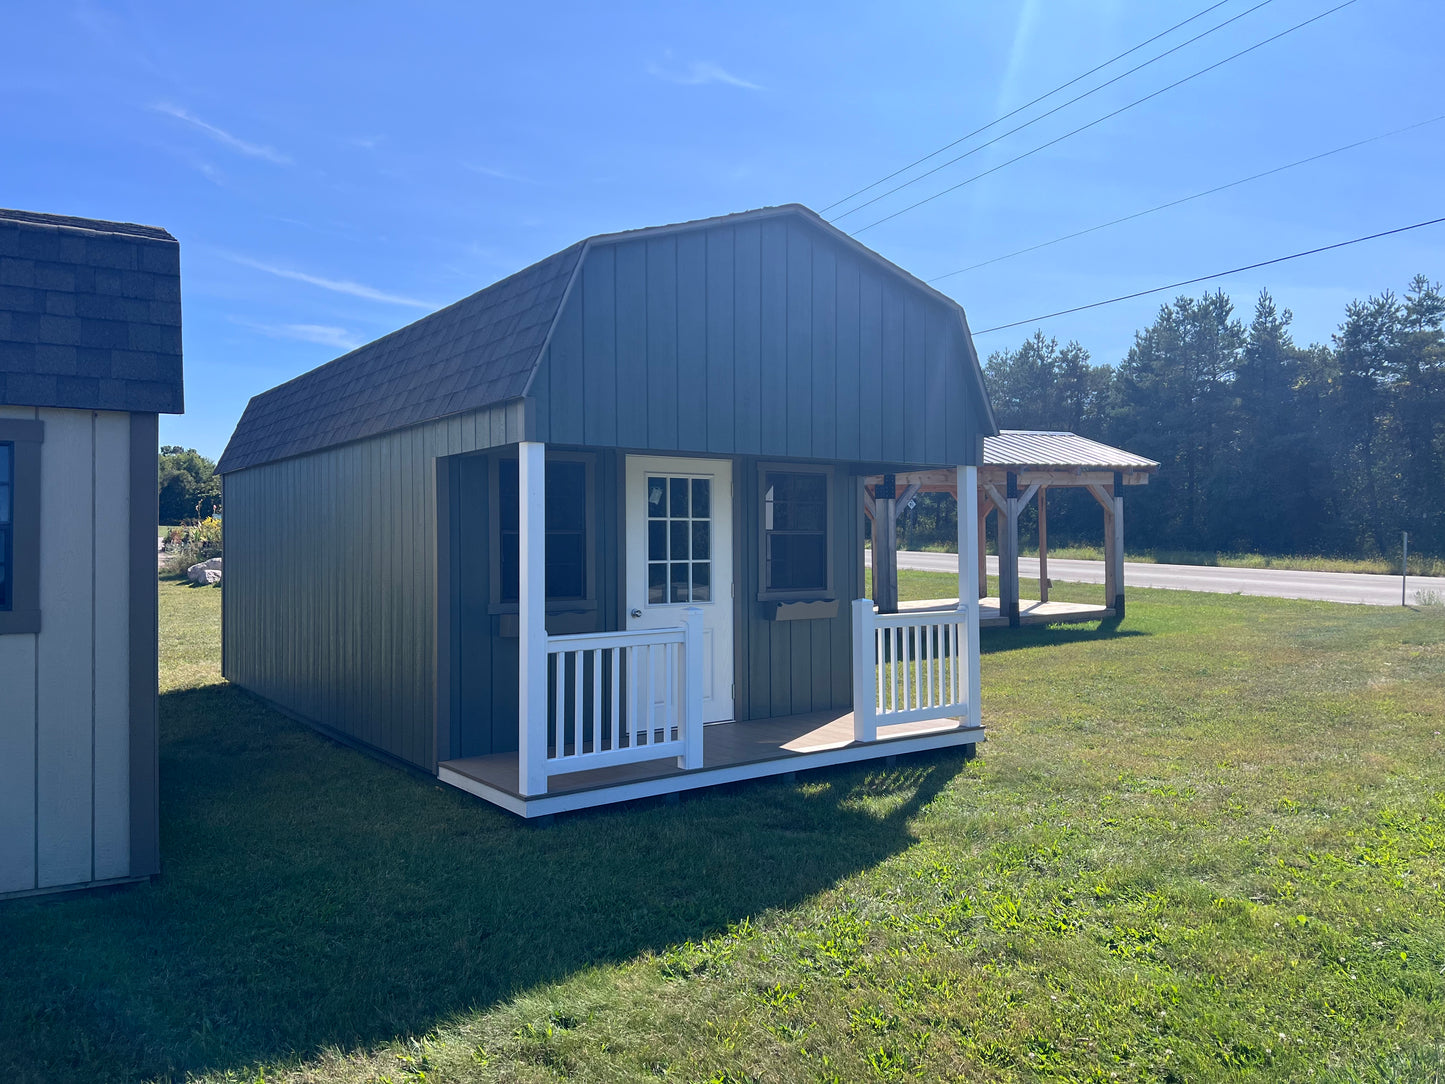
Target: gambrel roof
500,344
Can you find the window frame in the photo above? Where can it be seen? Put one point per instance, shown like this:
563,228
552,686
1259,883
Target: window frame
588,601
827,593
22,611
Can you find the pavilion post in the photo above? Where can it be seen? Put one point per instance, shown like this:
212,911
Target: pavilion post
1116,553
984,507
885,554
532,618
1008,552
1043,544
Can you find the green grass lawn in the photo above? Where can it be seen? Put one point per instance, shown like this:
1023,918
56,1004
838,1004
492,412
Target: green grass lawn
1208,844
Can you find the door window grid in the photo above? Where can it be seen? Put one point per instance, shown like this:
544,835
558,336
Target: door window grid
679,539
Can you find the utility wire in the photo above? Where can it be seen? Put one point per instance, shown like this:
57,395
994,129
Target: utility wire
1026,105
1048,113
1106,116
1186,199
1206,278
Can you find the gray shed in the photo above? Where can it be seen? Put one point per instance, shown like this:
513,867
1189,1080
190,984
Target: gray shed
90,355
596,531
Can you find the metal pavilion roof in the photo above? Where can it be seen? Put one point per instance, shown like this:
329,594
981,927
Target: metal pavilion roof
1035,449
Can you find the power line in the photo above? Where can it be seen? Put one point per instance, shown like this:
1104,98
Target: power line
1106,116
1028,123
1206,278
1186,199
1026,105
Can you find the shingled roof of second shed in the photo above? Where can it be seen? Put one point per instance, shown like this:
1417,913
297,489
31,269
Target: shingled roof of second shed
90,314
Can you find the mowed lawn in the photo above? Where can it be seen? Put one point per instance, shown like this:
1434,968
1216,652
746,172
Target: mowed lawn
1208,844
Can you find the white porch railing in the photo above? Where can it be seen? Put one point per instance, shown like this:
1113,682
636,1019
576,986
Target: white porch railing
624,697
909,667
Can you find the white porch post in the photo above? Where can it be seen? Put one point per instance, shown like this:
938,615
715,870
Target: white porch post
531,618
691,713
865,671
968,559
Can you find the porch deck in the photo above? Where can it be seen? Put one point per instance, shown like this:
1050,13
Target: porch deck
732,751
1031,611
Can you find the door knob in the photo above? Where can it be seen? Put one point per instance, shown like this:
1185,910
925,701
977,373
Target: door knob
635,613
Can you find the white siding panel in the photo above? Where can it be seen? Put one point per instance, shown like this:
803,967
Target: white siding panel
64,656
112,645
17,763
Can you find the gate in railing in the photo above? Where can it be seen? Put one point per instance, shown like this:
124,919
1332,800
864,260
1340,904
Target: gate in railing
908,667
624,697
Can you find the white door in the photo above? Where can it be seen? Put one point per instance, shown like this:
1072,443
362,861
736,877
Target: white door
679,539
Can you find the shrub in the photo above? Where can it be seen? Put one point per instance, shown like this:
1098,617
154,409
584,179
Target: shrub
186,546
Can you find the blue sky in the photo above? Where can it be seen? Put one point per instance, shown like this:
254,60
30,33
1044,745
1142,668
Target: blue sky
334,171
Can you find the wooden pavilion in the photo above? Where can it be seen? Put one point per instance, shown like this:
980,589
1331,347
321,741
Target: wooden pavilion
1017,466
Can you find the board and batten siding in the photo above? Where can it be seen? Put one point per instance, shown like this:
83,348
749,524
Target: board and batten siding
793,667
331,565
767,337
76,709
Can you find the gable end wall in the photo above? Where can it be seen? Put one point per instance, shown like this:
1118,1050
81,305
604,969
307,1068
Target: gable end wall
763,337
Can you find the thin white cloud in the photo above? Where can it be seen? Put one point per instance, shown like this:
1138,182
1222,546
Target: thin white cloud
499,174
220,135
340,286
322,334
698,73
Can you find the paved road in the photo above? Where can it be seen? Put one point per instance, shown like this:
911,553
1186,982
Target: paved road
1274,582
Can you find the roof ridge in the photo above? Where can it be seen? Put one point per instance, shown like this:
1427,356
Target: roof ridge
91,225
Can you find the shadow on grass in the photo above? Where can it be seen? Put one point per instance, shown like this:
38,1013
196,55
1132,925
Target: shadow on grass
312,897
994,641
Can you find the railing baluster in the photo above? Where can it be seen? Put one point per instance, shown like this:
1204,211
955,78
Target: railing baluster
878,667
596,716
646,731
929,699
957,666
634,683
577,702
670,655
616,698
559,720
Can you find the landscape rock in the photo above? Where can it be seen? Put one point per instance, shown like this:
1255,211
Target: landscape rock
200,574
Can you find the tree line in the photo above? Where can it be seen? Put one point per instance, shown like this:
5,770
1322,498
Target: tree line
190,489
1264,445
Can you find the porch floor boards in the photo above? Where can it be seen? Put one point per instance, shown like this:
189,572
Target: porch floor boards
1031,611
729,745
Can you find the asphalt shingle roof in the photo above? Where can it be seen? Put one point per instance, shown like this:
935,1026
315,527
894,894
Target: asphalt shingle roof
90,314
478,351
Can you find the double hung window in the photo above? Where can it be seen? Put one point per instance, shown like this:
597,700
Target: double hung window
795,552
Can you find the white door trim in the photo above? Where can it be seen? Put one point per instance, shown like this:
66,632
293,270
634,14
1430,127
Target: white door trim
718,609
